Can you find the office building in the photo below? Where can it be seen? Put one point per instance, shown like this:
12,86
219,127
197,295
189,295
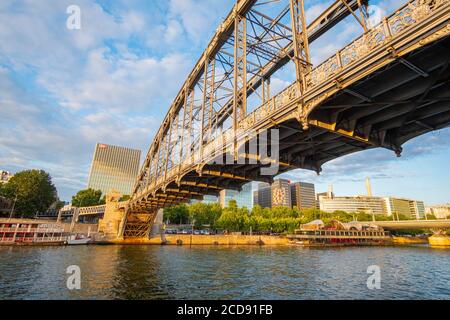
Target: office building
366,204
328,194
396,206
439,211
303,195
114,168
5,176
263,195
406,207
276,195
207,199
281,193
242,198
255,198
417,209
390,206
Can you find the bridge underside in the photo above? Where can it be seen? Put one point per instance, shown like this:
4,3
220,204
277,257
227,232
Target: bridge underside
397,90
407,98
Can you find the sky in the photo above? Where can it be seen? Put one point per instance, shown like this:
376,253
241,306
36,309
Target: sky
113,80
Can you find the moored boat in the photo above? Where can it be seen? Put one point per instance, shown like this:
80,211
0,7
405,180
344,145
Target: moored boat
78,239
439,240
336,233
409,240
31,233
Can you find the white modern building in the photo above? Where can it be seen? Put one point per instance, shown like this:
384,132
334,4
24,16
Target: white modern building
390,206
366,204
406,207
5,176
439,211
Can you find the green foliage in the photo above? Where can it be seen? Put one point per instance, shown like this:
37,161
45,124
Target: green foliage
278,219
412,232
234,218
34,191
125,198
177,214
60,204
88,198
204,214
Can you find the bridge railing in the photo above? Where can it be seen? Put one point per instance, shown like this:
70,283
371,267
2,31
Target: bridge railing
411,13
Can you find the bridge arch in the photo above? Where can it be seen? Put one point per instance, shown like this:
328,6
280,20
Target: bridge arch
383,89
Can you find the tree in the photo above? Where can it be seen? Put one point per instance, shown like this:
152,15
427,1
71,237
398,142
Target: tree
234,218
60,205
33,190
125,198
204,214
87,198
178,214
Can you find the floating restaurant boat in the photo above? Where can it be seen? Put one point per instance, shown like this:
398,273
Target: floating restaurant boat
336,233
31,233
409,240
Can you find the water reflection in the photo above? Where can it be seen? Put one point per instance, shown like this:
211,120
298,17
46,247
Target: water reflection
166,272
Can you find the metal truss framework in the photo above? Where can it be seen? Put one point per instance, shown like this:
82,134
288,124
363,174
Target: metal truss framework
256,40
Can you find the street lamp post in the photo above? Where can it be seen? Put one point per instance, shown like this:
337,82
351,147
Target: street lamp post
192,231
12,208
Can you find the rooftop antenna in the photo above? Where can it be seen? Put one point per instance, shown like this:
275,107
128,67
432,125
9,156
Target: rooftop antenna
330,191
368,187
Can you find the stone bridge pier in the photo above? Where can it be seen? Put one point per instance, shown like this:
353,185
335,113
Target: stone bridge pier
118,224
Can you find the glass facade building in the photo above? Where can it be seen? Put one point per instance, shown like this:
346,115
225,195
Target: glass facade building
243,198
303,195
283,193
114,168
407,207
263,195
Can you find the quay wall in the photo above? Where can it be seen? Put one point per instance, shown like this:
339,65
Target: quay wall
186,239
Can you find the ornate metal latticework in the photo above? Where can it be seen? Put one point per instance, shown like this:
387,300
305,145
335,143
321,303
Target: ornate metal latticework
226,100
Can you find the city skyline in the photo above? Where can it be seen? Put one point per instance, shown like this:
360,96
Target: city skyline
97,87
204,152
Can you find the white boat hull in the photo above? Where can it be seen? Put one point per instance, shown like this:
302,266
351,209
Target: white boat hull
78,241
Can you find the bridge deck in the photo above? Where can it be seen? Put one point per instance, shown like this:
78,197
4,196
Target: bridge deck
385,88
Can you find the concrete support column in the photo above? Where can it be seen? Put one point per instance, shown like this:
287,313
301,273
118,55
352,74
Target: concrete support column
158,226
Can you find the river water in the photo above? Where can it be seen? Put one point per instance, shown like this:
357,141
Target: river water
170,272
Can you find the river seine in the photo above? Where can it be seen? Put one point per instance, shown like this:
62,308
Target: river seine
170,272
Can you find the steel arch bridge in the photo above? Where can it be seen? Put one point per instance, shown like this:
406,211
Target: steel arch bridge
386,87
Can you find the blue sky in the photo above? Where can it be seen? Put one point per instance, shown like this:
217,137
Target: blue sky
61,90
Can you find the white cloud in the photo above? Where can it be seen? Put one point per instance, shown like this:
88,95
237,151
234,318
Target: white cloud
200,18
62,91
81,90
119,84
